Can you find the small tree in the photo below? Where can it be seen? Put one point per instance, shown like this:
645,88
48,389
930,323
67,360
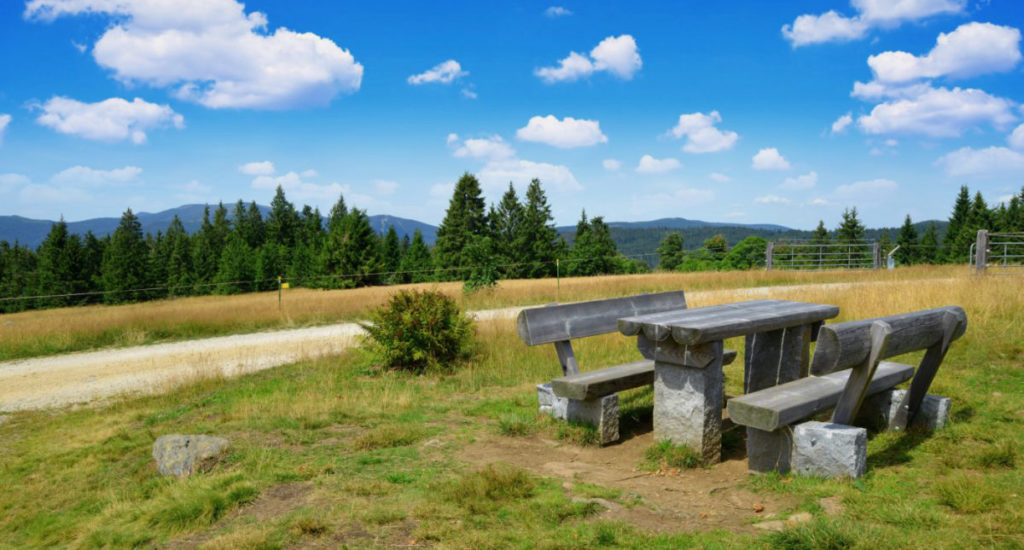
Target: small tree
670,251
419,331
907,241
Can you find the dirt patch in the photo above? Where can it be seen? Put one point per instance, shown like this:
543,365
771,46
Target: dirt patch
702,499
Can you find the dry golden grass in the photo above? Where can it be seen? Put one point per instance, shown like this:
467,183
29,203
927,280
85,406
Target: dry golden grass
46,332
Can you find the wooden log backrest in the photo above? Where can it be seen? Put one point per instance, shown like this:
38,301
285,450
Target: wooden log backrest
558,324
860,345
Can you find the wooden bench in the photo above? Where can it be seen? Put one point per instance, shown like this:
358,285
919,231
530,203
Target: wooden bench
592,396
847,368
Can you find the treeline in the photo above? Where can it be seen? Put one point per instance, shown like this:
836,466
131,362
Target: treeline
968,216
243,252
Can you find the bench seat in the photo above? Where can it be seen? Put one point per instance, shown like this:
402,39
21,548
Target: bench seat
601,382
785,404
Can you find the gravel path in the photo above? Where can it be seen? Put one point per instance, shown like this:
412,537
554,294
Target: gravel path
83,377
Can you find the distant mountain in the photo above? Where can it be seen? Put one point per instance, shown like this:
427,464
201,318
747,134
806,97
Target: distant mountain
32,232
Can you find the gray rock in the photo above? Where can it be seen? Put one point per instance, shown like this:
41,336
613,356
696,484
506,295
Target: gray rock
182,455
879,410
552,404
602,413
829,450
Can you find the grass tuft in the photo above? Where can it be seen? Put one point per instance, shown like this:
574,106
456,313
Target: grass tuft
388,436
822,534
483,490
664,455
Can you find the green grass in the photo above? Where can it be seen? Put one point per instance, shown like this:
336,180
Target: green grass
664,455
370,460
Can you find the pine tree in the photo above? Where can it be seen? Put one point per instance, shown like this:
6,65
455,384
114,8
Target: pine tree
885,242
179,273
820,234
542,244
851,230
957,219
124,261
928,251
416,264
464,221
206,253
156,269
17,276
391,255
58,269
236,269
670,251
91,263
351,255
248,222
978,217
282,225
593,252
907,240
510,247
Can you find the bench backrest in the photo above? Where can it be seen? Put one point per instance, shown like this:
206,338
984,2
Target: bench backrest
845,345
556,323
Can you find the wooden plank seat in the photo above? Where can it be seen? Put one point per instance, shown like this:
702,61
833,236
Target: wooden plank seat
846,369
591,396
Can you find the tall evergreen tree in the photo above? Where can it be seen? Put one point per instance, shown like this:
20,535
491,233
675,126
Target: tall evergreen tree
124,261
156,270
282,225
593,251
957,219
820,234
179,271
978,217
59,266
353,252
670,251
465,220
907,240
237,267
391,255
91,264
206,253
539,235
17,276
510,247
248,222
416,264
928,250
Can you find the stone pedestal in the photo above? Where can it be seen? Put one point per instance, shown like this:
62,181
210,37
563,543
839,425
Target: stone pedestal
551,403
602,413
878,411
769,451
688,394
829,450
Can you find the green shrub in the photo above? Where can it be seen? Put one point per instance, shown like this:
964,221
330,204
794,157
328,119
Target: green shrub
416,331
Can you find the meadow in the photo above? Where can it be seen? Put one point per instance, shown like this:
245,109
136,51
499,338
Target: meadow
336,453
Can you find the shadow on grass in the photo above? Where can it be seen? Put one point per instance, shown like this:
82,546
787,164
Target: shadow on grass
898,450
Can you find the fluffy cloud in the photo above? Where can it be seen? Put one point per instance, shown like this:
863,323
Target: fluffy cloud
300,189
566,133
772,199
616,54
805,181
720,178
611,165
5,119
557,11
84,175
769,159
212,52
492,148
832,26
866,189
972,49
839,126
1016,139
10,180
112,119
385,187
938,112
262,168
991,161
444,73
672,202
651,165
701,134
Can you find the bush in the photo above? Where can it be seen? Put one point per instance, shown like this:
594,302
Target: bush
416,331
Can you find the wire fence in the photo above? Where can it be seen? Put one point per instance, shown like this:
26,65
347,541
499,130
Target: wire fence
810,256
998,253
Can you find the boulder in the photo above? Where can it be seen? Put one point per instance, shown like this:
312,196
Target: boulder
182,455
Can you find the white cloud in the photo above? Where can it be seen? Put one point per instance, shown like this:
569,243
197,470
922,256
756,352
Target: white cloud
445,73
260,168
557,11
1016,139
839,126
671,203
212,52
769,159
298,189
194,192
991,161
805,181
5,119
468,94
866,189
442,190
84,175
701,134
616,54
772,199
112,119
10,180
818,201
38,193
832,26
385,187
719,177
972,49
651,165
492,148
938,112
452,138
497,174
309,173
611,165
566,133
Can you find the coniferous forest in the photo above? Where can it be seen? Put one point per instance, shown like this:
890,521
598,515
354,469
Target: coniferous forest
237,249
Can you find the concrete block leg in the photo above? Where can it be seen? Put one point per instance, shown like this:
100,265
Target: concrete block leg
602,413
878,411
829,450
688,407
550,403
769,451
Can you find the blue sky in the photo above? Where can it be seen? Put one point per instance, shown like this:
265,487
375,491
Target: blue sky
753,112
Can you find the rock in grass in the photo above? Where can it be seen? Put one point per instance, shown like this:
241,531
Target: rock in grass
181,455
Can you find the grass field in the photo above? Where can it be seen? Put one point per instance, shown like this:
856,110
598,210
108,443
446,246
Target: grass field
332,453
53,331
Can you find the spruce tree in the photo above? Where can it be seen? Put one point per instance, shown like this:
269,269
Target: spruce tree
820,234
124,261
17,276
593,251
391,255
539,235
156,270
885,242
91,263
957,219
282,225
510,246
179,274
907,240
59,267
928,250
206,256
249,224
464,221
416,265
670,251
237,266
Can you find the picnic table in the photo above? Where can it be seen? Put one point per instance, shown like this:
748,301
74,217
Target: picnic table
687,348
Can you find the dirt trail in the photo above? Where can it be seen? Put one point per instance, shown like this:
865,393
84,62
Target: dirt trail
82,377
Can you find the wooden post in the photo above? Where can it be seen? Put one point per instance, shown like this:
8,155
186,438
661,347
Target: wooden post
878,255
860,376
768,253
981,251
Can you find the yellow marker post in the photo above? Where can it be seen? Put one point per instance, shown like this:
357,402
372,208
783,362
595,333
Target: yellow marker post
279,286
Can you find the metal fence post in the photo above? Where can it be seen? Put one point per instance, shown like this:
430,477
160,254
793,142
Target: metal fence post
981,251
878,255
768,253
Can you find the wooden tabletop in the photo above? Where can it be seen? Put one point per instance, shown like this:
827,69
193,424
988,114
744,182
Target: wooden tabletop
708,324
